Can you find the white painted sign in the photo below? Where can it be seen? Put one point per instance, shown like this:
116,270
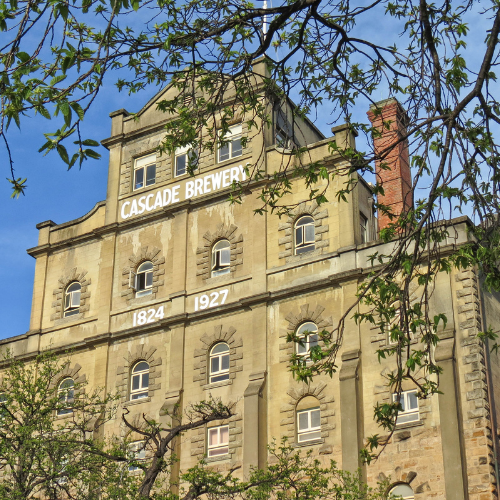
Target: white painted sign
195,187
149,316
213,299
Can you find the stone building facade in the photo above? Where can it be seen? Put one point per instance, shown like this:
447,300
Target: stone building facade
167,278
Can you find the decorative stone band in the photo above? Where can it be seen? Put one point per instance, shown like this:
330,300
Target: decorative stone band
74,275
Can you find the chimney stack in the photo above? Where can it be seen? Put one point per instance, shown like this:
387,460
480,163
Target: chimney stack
396,181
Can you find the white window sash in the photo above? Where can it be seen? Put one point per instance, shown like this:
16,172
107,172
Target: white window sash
132,280
144,161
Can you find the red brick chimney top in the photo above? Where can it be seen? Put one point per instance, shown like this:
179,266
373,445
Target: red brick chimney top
389,118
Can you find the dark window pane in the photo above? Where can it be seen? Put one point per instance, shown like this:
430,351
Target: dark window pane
412,401
141,281
225,257
309,233
150,175
222,347
145,380
215,365
236,148
224,153
225,362
219,378
315,418
180,165
298,236
149,279
139,178
135,382
139,367
303,421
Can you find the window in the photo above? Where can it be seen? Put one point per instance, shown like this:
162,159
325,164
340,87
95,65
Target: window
308,425
219,363
308,332
185,157
409,404
232,147
72,299
221,258
402,490
218,441
363,224
142,281
144,171
304,235
139,381
136,455
66,395
283,133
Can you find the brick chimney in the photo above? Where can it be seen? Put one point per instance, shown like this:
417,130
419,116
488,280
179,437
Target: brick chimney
396,181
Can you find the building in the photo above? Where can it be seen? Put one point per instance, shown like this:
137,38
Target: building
167,293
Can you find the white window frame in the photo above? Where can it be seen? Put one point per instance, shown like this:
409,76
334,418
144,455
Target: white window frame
134,277
221,258
191,155
364,228
412,413
232,135
307,342
142,390
220,374
283,135
143,164
218,449
66,395
137,453
310,433
72,299
305,245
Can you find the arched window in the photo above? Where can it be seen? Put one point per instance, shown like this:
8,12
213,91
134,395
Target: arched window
66,395
304,235
144,279
308,332
401,490
72,299
139,380
308,417
219,363
221,258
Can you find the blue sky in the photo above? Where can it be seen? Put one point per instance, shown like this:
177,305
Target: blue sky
53,193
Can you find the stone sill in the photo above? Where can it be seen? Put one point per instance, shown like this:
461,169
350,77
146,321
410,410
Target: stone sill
220,458
61,323
216,385
136,401
408,425
313,442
